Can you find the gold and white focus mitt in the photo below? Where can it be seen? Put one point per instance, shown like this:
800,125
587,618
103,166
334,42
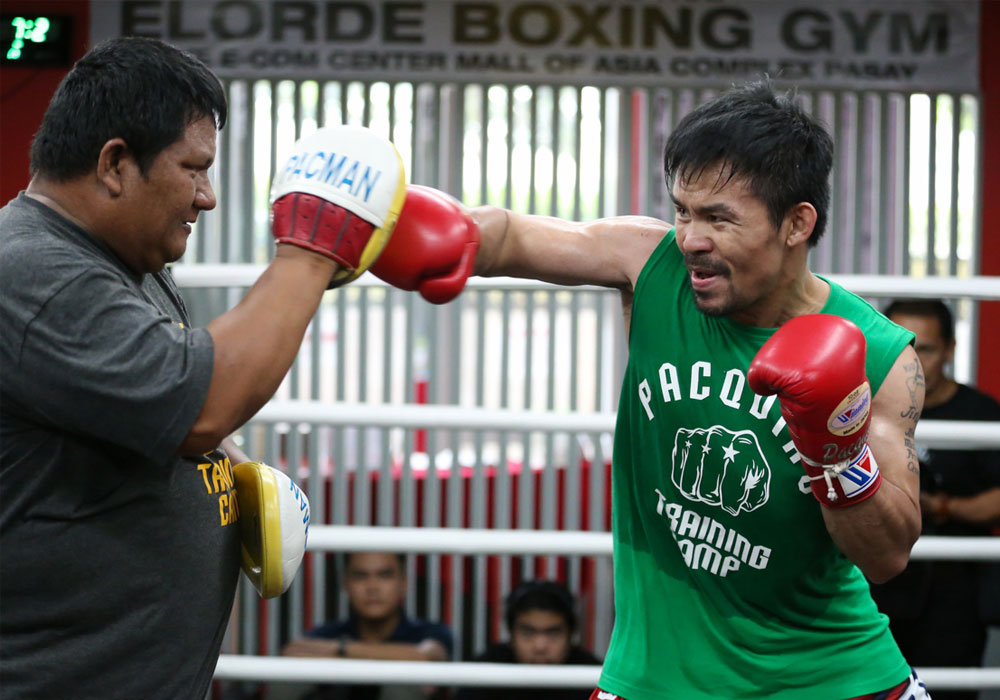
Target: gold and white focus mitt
274,526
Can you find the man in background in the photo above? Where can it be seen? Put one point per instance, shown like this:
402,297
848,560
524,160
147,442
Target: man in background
939,610
541,619
376,627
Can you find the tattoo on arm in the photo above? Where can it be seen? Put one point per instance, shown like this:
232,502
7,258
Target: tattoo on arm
914,381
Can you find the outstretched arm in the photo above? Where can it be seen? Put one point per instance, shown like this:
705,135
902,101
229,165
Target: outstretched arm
606,252
438,243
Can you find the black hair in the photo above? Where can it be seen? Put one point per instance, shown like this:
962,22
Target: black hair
141,90
541,595
750,132
933,308
401,558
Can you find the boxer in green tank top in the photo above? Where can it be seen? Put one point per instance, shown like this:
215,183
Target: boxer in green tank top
764,462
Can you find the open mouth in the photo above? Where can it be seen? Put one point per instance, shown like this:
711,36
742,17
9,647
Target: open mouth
703,278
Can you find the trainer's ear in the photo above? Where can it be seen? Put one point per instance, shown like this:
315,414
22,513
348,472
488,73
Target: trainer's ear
800,222
110,164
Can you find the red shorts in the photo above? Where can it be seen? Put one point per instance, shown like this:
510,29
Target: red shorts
910,689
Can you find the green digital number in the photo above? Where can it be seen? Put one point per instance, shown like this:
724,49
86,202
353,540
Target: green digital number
33,30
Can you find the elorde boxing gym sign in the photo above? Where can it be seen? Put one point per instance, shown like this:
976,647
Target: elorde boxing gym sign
893,44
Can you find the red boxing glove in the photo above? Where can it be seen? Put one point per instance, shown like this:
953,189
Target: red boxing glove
816,366
433,246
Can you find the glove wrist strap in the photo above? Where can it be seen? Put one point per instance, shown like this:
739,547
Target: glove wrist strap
846,483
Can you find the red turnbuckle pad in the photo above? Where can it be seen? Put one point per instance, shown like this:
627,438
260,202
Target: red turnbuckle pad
321,226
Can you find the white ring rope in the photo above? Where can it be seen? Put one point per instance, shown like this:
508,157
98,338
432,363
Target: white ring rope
940,434
975,287
472,542
270,668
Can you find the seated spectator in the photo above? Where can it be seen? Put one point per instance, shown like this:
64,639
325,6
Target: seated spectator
376,628
939,610
541,620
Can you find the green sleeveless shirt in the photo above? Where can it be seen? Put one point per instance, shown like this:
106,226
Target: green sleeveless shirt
727,584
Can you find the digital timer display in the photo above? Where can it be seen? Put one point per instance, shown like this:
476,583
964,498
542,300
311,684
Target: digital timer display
35,40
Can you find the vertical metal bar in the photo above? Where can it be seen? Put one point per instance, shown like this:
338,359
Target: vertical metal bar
625,172
977,225
571,490
574,329
455,508
480,378
602,156
882,206
246,232
478,520
577,152
529,342
907,128
366,110
602,565
931,265
410,351
956,132
293,625
651,150
317,500
571,503
408,517
508,200
556,120
533,145
456,174
320,104
235,157
345,102
364,474
550,389
549,491
432,518
297,108
503,511
386,484
484,119
840,191
477,500
548,496
864,186
391,117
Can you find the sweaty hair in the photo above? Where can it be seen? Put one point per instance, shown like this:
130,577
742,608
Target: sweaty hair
541,595
141,90
932,308
766,139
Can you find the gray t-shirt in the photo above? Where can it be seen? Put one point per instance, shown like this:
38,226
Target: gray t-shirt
119,559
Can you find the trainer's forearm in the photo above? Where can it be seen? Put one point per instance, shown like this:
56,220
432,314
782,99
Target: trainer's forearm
878,534
428,650
256,342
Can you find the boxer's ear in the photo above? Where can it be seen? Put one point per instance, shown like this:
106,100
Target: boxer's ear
800,222
110,165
